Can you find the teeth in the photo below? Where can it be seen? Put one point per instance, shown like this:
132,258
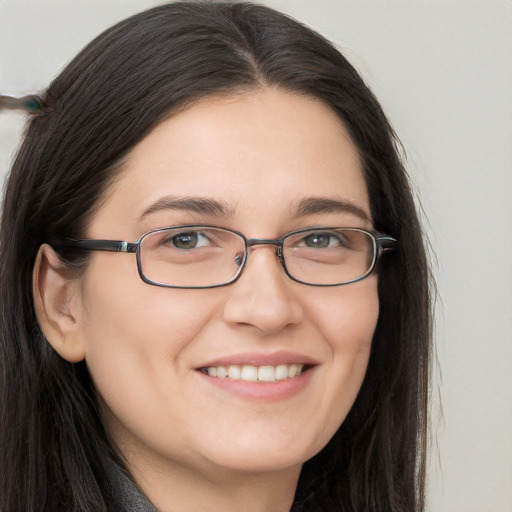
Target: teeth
251,373
222,373
282,372
294,370
234,372
266,373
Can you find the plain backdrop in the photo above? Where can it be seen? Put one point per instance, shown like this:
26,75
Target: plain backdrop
443,72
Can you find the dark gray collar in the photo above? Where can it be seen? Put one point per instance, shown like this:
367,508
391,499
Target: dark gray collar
128,496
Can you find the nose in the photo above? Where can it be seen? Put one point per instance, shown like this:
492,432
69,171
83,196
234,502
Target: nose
263,296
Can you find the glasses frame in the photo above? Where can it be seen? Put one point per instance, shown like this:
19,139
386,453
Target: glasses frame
381,243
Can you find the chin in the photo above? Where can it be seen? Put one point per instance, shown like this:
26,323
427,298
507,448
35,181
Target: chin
264,457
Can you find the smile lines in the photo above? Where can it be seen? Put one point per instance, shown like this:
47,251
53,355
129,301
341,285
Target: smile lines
265,373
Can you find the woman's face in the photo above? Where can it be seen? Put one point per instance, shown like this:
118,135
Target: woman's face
258,156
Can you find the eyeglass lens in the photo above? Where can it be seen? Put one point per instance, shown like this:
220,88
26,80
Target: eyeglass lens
206,256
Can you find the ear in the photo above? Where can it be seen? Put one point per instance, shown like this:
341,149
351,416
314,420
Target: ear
57,304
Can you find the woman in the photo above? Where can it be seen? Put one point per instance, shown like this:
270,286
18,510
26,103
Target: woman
266,347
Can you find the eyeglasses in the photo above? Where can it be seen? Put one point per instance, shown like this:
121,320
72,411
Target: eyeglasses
194,256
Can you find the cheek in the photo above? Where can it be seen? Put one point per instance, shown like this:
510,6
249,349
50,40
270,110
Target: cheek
135,334
119,308
349,317
348,321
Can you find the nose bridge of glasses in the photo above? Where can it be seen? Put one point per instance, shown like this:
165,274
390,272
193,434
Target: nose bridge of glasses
264,241
277,242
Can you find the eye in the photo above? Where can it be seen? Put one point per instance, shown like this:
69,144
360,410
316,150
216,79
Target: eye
323,240
188,240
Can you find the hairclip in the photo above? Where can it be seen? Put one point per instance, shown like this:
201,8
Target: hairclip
30,103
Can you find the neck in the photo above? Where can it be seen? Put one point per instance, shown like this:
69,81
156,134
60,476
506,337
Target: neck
174,488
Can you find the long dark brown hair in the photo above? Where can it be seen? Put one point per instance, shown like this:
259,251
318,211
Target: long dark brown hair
53,447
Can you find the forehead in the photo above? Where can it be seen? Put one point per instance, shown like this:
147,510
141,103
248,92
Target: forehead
259,153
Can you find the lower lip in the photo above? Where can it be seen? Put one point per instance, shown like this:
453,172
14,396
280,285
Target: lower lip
264,391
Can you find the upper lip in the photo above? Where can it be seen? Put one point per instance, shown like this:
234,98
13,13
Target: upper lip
262,359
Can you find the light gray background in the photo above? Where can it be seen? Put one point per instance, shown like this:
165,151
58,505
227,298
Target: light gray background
443,71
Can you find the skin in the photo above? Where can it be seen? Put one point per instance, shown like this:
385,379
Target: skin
189,444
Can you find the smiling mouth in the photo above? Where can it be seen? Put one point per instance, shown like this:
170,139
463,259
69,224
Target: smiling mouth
250,373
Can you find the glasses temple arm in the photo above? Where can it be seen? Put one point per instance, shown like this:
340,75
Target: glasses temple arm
97,245
386,243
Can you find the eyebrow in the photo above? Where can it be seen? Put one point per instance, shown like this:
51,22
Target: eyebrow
200,205
218,208
314,205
